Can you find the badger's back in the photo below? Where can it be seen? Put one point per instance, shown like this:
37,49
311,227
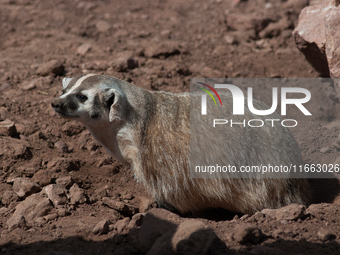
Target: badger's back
165,161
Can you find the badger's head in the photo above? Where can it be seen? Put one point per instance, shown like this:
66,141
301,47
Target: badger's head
91,99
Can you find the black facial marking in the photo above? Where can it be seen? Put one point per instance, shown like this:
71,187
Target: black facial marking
95,114
72,105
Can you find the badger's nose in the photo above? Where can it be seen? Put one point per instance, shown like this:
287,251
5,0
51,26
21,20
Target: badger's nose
56,104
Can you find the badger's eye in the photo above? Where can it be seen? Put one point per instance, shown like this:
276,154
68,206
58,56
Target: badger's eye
63,92
81,98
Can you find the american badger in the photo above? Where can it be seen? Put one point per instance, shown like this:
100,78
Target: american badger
150,132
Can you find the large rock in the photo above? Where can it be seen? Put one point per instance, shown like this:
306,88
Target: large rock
191,237
332,21
14,148
33,207
317,37
77,195
155,224
56,194
8,197
24,187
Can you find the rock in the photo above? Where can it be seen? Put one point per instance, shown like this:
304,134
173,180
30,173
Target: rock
38,136
50,217
165,49
144,204
258,216
120,206
310,37
64,182
102,227
291,212
33,207
72,128
62,164
54,67
296,5
96,65
126,197
121,59
244,217
77,195
325,234
84,48
332,21
24,187
274,29
28,170
16,221
317,210
132,63
192,237
42,177
325,150
3,112
247,22
317,37
39,222
210,73
31,85
103,26
166,33
247,233
8,197
269,213
61,211
316,2
7,128
156,223
56,194
61,146
120,225
205,71
230,39
87,6
136,220
12,205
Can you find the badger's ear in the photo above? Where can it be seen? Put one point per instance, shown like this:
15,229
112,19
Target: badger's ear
111,101
66,81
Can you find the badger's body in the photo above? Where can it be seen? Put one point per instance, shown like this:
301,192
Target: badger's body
150,132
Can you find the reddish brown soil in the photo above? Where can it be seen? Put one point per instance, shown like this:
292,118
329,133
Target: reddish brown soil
172,41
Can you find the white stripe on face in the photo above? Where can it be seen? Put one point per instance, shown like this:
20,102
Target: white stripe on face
77,84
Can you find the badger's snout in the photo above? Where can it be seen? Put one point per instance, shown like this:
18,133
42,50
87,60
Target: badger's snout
64,106
57,104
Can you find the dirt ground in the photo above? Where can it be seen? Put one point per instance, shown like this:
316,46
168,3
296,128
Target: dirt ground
157,45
